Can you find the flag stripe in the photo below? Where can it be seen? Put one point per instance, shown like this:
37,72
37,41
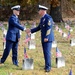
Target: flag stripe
58,53
25,54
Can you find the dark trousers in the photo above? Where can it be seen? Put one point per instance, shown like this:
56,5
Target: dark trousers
10,45
47,54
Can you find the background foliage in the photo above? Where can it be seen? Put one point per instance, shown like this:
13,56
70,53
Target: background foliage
29,8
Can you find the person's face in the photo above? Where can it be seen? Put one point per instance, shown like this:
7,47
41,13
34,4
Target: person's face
40,12
17,12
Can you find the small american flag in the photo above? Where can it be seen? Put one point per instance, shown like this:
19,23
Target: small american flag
67,27
25,54
70,73
69,35
58,53
27,39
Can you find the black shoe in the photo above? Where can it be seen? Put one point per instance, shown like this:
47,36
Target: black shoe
1,63
46,70
16,65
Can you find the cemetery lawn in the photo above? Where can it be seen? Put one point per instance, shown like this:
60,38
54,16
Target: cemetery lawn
62,43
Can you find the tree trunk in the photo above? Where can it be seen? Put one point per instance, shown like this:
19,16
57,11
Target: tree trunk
56,13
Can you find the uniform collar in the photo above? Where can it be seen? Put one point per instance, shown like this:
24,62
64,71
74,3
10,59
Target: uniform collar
43,16
15,15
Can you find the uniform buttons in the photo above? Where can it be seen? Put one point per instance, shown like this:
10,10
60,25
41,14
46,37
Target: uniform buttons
43,25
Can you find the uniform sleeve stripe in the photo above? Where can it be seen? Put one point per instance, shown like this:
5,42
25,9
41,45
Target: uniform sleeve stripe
48,32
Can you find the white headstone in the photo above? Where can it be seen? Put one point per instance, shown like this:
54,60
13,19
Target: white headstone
64,35
4,32
20,32
33,36
59,30
54,44
72,42
33,25
27,64
31,44
10,74
71,30
60,62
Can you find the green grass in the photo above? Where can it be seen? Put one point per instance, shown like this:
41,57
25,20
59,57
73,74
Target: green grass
8,68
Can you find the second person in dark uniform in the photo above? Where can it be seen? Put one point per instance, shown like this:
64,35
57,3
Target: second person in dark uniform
13,36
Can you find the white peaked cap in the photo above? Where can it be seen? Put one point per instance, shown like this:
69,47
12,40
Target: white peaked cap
17,7
43,7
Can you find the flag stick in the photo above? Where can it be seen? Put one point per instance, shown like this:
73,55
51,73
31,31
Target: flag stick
71,53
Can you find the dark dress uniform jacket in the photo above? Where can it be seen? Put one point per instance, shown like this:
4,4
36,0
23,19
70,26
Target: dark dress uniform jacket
45,26
13,30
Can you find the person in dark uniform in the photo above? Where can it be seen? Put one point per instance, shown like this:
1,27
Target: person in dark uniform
13,36
47,35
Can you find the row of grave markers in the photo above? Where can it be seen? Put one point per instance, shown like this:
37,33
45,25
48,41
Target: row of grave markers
31,43
60,60
68,36
28,62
